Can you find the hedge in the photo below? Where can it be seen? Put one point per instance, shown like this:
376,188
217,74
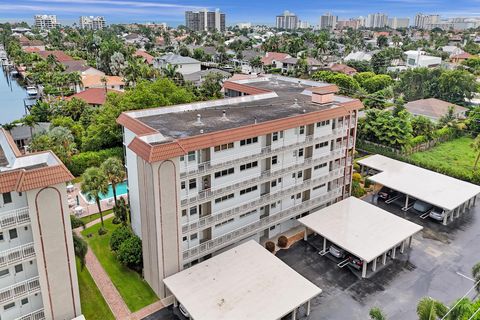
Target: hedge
82,161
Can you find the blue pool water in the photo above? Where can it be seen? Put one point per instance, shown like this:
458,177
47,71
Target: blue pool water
121,190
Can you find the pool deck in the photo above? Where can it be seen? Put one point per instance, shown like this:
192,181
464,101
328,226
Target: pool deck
89,207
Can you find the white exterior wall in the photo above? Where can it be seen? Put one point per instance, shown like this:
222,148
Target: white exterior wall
236,152
133,192
188,68
34,303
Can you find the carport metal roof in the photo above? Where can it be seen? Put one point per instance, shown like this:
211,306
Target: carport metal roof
432,187
360,228
245,282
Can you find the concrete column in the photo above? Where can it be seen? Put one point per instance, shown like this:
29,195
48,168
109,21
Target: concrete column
406,202
294,314
305,235
410,242
308,308
324,244
364,269
175,303
402,248
451,216
474,200
384,258
394,251
445,217
374,265
464,207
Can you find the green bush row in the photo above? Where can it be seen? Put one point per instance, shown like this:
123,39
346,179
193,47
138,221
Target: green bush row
80,162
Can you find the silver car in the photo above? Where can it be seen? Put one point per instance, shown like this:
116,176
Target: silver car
437,214
421,206
336,252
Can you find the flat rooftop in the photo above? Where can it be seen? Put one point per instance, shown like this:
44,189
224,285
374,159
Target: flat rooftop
282,97
246,282
360,228
429,186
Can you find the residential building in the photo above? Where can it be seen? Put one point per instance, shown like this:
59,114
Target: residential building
303,24
286,21
101,81
346,24
291,64
95,97
434,108
38,276
358,56
275,59
328,21
205,20
206,176
376,20
185,65
423,20
459,58
420,59
146,57
342,68
398,23
92,23
45,22
244,25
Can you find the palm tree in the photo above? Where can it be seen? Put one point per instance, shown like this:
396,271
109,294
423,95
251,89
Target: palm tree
170,71
476,268
430,309
30,122
94,184
377,314
114,172
104,80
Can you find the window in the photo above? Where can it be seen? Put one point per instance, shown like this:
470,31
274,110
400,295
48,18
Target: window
225,172
193,236
319,186
9,306
7,197
323,123
1,236
182,185
24,301
274,160
299,195
319,166
292,197
18,268
191,156
192,184
277,135
301,130
248,214
13,233
273,184
248,141
249,165
223,147
300,152
182,158
224,223
193,211
299,174
248,190
273,205
321,145
4,272
184,238
184,212
224,198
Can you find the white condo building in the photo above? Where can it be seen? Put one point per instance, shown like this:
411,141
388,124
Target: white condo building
92,23
206,176
287,21
45,22
38,277
376,20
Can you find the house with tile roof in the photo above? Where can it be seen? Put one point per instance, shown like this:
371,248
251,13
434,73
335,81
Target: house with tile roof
185,65
96,81
93,96
434,108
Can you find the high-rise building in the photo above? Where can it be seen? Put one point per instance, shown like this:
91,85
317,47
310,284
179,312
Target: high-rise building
328,21
422,21
398,23
205,20
92,23
303,24
38,276
45,22
286,21
376,20
352,23
206,176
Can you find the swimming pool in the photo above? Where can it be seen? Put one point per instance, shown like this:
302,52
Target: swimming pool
121,189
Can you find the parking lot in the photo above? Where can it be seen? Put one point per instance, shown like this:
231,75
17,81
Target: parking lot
437,266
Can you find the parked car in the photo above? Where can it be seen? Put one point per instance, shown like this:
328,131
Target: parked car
355,262
386,193
183,311
336,252
421,206
437,213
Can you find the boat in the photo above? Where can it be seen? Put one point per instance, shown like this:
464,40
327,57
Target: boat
14,73
32,91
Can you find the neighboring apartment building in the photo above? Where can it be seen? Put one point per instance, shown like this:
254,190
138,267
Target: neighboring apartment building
328,21
92,23
205,20
38,277
287,21
423,21
45,22
376,20
206,176
398,23
420,59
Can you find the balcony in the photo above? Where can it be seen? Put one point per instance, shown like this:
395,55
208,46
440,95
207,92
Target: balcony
265,176
207,168
35,315
262,224
17,254
14,218
211,220
19,290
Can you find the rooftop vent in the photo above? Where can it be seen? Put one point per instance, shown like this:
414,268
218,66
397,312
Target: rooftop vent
255,121
201,131
296,105
299,83
224,115
199,120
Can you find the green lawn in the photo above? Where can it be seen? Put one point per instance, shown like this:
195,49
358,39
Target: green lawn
455,155
95,216
94,306
133,289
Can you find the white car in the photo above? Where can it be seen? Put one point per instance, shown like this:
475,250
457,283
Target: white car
437,214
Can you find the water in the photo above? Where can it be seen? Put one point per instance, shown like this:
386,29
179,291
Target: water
11,99
121,190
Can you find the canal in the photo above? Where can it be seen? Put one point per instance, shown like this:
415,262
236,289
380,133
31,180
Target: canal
11,99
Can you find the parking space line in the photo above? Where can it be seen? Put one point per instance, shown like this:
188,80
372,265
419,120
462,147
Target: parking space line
466,277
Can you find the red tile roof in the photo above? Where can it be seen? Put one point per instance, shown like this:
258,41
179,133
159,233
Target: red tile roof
93,96
270,56
464,55
342,68
142,53
58,54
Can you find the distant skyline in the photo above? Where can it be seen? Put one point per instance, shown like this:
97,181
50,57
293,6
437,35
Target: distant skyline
264,12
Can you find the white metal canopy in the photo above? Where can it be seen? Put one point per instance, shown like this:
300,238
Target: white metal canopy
432,187
360,228
245,282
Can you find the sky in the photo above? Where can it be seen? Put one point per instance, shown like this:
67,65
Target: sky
255,11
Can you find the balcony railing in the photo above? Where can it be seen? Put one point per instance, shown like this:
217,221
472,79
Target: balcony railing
14,218
211,220
19,290
262,224
265,176
35,315
207,167
16,254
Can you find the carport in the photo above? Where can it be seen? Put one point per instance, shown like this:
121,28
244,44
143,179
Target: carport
452,195
245,282
362,229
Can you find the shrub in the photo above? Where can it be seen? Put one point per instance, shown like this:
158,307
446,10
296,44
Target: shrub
115,220
102,231
130,253
120,211
119,236
270,246
418,140
356,167
80,162
80,248
76,222
357,177
367,183
357,190
282,242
